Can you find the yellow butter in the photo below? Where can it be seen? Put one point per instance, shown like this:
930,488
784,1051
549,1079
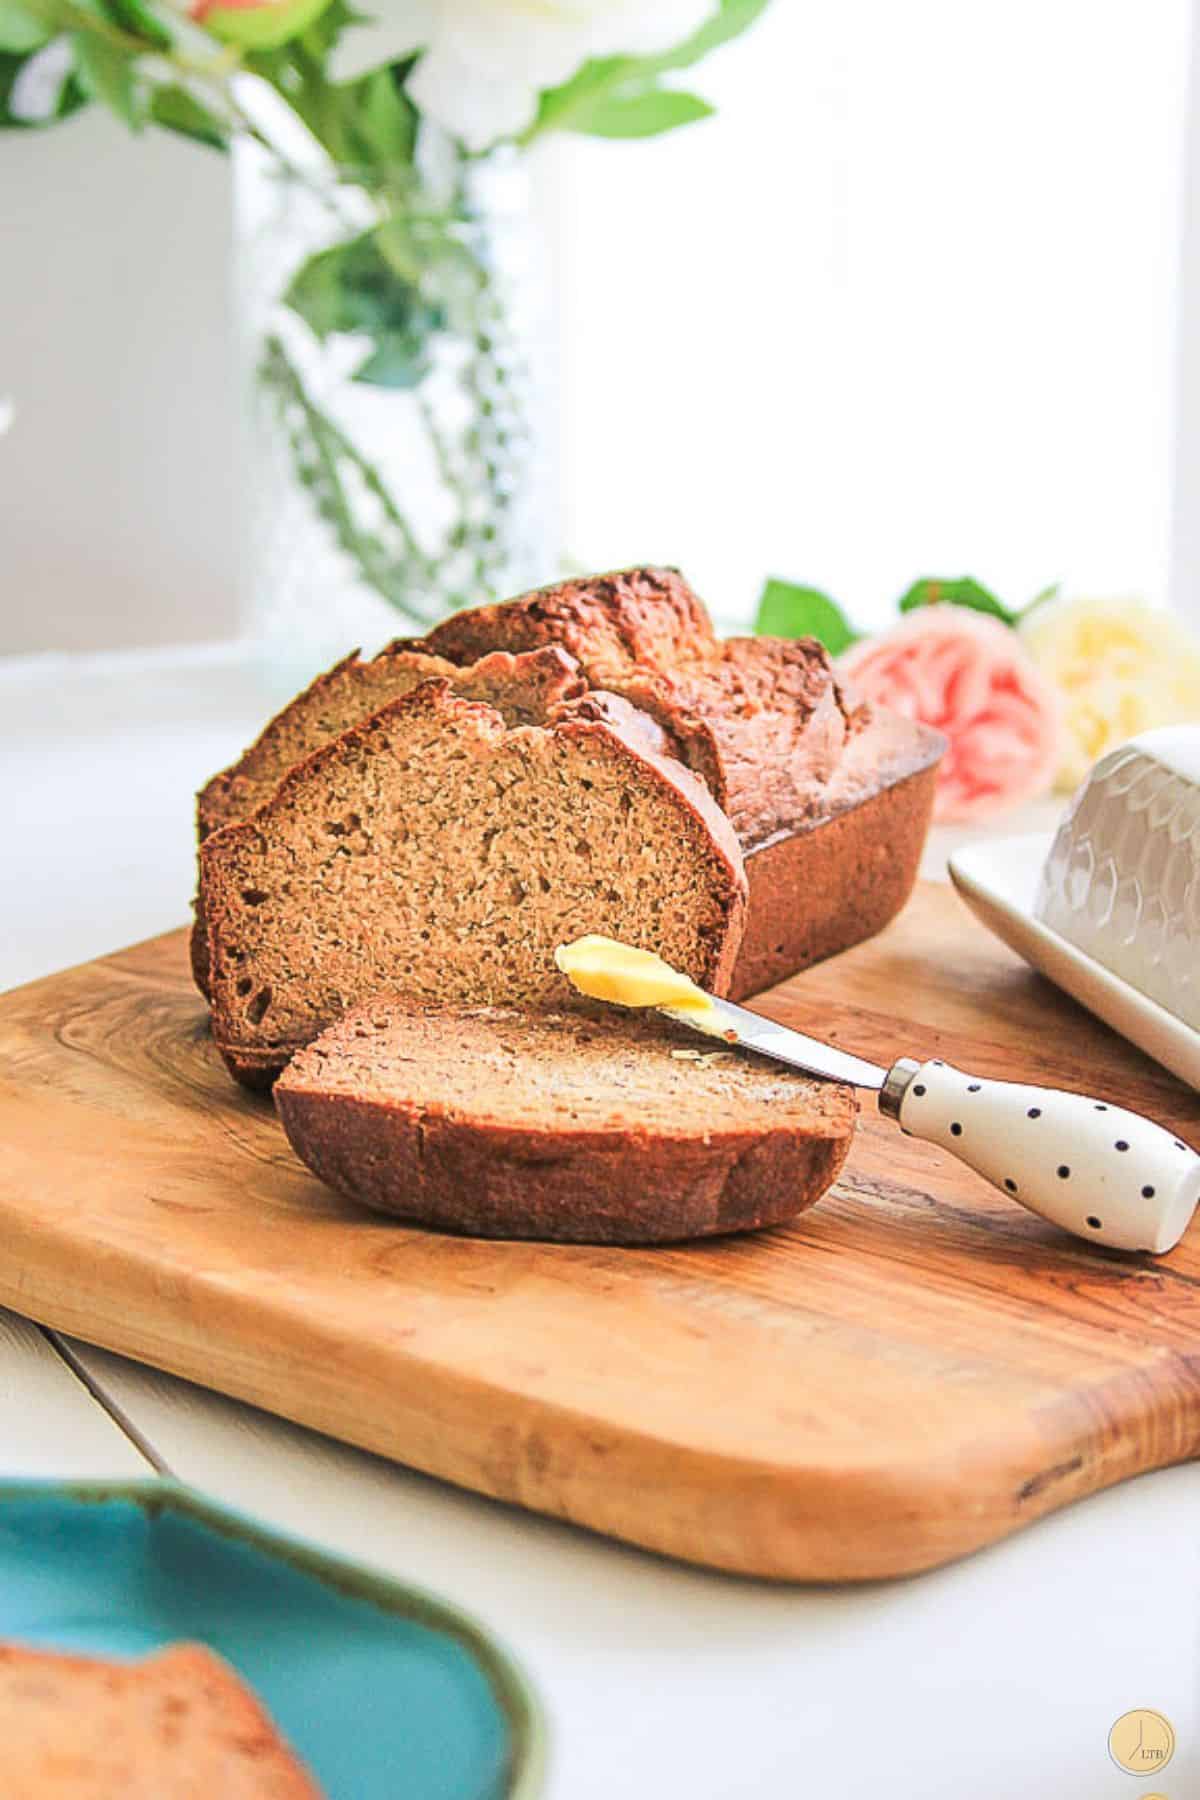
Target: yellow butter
606,970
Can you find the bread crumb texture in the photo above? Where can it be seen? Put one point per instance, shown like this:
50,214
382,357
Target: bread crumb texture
436,852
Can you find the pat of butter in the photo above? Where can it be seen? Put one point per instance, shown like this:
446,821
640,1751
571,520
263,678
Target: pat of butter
606,970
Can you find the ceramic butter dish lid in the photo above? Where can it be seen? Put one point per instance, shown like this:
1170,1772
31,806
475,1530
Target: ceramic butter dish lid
1122,878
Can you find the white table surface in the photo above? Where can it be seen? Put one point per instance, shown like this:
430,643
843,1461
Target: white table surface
998,1677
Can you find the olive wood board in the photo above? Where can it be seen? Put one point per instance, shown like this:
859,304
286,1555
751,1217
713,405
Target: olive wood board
913,1369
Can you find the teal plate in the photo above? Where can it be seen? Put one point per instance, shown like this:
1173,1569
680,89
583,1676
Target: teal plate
384,1691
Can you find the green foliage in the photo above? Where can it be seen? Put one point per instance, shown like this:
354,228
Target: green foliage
729,21
641,115
328,465
263,27
22,28
108,73
380,121
621,96
357,287
119,48
393,289
177,110
136,19
324,33
963,590
786,610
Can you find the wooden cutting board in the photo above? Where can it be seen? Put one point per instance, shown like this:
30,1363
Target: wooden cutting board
914,1369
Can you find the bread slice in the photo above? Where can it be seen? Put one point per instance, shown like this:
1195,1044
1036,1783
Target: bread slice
580,1124
764,721
435,851
525,689
178,1726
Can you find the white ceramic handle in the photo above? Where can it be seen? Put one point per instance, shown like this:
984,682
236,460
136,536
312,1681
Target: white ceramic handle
1106,1174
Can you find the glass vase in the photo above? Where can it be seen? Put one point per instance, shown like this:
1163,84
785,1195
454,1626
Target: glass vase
394,348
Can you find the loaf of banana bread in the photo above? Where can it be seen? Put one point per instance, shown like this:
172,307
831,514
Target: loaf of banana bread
830,797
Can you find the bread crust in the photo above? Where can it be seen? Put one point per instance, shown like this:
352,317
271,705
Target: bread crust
817,891
610,725
224,798
646,617
780,740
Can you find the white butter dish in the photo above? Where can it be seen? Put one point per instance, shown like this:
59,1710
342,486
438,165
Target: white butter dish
999,882
1122,878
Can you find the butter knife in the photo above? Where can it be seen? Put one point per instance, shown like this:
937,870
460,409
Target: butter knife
1107,1175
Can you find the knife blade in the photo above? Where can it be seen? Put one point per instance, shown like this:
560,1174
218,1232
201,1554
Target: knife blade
748,1031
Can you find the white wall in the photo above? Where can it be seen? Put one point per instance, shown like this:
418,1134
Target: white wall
116,486
907,305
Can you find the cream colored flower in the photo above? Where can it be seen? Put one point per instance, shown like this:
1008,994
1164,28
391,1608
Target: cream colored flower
486,61
1122,667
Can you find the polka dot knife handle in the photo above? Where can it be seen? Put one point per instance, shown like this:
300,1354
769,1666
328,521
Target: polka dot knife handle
1106,1174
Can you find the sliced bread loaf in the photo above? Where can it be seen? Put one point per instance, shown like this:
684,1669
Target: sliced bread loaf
524,689
435,851
178,1726
580,1124
763,720
830,798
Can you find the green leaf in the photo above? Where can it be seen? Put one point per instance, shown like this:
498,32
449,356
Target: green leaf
597,78
329,467
567,107
963,590
350,287
786,610
734,17
263,27
397,362
174,108
1040,598
614,97
357,287
640,115
64,94
322,35
21,29
108,74
137,19
380,119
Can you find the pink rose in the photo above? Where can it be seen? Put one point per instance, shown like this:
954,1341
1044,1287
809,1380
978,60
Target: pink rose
967,675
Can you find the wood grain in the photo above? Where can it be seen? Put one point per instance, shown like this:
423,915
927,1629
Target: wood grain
915,1368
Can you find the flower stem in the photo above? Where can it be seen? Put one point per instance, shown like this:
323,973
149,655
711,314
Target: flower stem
389,558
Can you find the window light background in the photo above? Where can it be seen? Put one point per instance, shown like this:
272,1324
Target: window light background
910,308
